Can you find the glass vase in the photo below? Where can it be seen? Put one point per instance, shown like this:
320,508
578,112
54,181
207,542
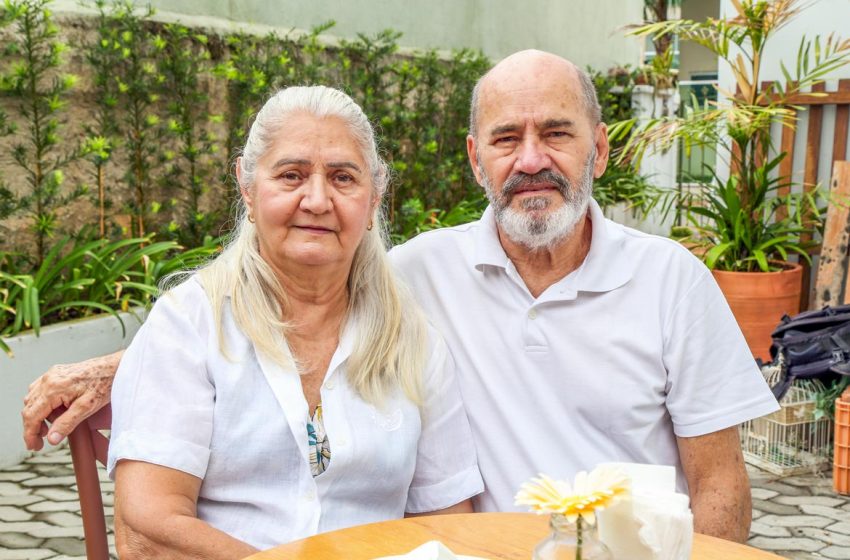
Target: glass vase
571,540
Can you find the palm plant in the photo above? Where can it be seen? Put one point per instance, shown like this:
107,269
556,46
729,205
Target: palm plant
751,219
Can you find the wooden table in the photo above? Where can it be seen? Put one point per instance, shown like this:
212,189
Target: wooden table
509,536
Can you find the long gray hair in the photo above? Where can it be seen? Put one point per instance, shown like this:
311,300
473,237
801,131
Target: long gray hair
389,351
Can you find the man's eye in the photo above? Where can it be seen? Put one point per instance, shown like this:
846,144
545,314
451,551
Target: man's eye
558,134
344,178
505,139
290,176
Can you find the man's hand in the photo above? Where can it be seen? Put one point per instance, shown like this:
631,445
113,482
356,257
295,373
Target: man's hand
83,388
718,484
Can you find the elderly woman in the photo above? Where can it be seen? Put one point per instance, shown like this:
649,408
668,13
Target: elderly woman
291,386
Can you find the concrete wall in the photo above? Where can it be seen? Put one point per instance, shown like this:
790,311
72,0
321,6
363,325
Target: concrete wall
586,31
695,58
67,342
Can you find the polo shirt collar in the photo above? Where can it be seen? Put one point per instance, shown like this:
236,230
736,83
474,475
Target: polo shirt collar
607,266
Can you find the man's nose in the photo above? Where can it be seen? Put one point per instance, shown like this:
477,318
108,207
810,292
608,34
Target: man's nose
532,157
317,195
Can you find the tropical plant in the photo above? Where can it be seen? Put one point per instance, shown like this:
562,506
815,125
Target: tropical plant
622,183
137,82
413,218
751,219
38,86
103,54
184,64
81,279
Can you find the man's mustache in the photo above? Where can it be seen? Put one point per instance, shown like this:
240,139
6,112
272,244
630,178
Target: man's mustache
522,180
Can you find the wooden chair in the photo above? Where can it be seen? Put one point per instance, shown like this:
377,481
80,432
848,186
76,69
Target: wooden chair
88,447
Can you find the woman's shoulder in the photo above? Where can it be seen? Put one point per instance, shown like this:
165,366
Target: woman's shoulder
185,296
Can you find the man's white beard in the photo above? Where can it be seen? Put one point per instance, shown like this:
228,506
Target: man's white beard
535,230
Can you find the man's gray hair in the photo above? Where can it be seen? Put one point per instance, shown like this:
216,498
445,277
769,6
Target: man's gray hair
588,94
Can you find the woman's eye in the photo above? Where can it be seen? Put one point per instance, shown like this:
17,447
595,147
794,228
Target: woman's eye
344,178
290,176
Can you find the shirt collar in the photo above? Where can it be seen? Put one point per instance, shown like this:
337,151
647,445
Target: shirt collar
607,266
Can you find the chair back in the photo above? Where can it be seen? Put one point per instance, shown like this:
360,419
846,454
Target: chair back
88,447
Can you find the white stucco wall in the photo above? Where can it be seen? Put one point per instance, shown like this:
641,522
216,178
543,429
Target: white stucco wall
585,31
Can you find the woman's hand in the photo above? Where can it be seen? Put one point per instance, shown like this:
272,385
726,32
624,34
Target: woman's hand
156,517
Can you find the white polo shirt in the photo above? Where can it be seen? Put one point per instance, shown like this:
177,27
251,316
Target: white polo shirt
633,348
240,424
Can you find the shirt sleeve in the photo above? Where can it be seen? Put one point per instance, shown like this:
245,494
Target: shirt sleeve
713,381
162,398
446,463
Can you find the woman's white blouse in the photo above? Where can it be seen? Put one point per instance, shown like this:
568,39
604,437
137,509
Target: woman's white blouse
238,421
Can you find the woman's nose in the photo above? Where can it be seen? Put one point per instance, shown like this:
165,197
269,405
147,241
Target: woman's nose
317,195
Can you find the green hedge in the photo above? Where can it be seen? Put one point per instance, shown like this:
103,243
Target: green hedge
171,106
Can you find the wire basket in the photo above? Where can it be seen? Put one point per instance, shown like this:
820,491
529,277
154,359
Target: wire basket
790,441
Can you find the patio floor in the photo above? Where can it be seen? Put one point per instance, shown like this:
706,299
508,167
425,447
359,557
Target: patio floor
797,517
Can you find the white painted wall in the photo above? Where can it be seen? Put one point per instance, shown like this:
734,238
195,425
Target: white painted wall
585,31
68,342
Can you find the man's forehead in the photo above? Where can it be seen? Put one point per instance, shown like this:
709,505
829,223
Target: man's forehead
539,107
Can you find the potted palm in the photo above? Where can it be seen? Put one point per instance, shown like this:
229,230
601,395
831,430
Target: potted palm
746,224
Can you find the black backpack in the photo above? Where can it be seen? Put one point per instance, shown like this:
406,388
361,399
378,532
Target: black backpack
812,345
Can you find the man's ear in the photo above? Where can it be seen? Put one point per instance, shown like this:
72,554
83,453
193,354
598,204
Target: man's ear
603,150
472,153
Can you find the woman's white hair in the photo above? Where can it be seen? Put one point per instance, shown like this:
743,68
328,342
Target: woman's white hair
389,351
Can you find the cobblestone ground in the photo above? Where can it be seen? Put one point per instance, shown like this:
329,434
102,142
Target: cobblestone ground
39,512
797,517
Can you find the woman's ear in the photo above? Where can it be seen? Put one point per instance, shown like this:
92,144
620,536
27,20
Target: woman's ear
243,190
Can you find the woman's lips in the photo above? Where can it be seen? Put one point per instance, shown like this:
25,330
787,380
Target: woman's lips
315,229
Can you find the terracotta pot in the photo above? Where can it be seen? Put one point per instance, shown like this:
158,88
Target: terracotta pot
759,300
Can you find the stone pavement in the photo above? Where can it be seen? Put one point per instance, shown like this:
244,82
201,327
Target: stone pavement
797,517
39,512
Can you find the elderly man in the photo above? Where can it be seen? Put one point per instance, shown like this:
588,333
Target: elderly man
577,340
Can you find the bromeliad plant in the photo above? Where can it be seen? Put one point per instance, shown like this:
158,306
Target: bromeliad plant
752,219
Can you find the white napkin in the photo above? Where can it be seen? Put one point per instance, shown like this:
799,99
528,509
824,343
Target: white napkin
431,550
656,523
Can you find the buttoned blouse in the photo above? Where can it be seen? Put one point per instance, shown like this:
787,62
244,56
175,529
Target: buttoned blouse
238,420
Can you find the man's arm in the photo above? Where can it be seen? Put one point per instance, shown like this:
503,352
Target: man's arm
718,484
83,388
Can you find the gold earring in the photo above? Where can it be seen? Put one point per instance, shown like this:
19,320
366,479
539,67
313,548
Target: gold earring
251,217
369,227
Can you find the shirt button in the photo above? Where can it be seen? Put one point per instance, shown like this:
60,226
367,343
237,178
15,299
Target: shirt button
308,496
330,385
342,442
532,314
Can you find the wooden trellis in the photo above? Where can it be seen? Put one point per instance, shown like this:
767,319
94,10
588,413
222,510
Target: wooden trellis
814,105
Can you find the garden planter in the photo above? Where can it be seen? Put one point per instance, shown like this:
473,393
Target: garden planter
841,455
66,342
759,300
